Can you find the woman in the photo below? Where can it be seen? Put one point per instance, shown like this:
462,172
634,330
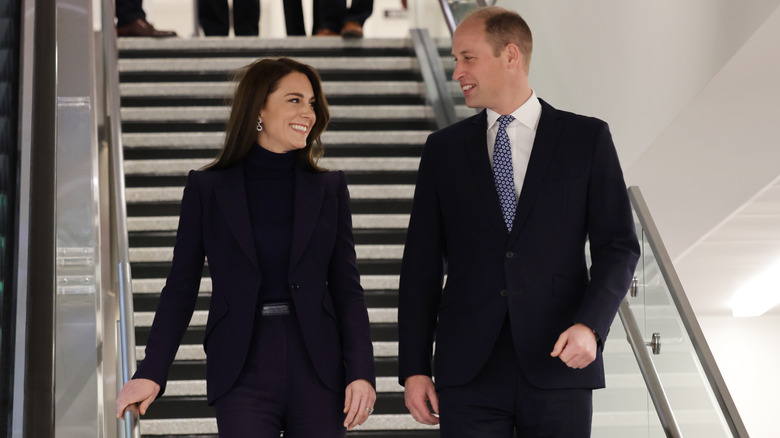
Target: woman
287,337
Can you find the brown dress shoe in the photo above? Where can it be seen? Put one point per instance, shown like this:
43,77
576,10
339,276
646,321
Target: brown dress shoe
325,32
352,30
142,28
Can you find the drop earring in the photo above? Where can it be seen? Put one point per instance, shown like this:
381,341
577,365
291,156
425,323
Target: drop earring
259,124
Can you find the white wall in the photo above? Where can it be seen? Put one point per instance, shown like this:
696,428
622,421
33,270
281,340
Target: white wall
634,64
747,354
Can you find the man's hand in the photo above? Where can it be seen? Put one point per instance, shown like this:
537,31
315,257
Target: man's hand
358,403
576,347
135,391
418,390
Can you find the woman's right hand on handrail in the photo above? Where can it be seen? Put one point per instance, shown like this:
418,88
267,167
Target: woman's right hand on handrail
135,391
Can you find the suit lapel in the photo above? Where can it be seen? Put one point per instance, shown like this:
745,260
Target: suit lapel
231,198
306,210
476,145
541,154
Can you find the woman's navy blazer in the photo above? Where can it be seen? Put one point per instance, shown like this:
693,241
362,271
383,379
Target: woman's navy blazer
323,280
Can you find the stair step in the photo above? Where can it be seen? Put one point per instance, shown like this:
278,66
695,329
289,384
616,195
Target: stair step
194,66
199,317
158,255
214,114
202,425
182,166
195,351
221,44
214,140
155,285
225,90
174,194
385,367
359,221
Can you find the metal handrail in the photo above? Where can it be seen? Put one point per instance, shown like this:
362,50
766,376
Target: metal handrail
435,80
707,360
126,333
448,17
654,386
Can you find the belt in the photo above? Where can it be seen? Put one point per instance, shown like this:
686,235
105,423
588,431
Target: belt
276,309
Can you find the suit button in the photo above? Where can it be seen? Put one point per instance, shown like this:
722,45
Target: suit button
503,292
294,286
509,254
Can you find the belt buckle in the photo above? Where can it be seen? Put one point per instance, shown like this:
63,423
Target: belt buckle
275,309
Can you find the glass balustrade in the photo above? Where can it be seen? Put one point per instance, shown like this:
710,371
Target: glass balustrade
690,384
691,380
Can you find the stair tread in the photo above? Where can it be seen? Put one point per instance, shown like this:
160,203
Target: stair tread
174,194
225,89
182,166
226,43
214,140
231,64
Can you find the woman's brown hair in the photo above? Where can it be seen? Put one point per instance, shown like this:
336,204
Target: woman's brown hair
255,82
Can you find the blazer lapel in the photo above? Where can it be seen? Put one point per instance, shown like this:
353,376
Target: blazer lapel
231,198
541,154
306,211
476,145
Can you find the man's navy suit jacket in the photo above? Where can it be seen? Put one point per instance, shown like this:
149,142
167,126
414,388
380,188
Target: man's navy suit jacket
573,191
323,279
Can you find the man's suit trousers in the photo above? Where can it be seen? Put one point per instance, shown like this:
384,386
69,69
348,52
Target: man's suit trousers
214,17
500,401
128,11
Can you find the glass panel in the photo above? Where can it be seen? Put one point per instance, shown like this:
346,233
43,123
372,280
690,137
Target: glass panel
690,395
624,408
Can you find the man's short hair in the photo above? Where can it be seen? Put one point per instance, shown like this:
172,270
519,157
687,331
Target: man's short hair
503,27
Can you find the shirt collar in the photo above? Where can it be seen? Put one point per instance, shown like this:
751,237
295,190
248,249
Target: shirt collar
528,113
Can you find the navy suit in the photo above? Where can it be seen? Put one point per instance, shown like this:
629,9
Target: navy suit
536,276
328,300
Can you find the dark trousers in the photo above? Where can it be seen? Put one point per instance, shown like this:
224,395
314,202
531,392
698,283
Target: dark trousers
334,13
128,11
278,389
214,17
293,17
500,401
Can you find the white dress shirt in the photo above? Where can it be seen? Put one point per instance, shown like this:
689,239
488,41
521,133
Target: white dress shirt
521,132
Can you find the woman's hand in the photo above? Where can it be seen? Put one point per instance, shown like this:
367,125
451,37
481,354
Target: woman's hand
135,391
358,403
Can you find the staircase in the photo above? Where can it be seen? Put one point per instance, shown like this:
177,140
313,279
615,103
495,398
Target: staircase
174,109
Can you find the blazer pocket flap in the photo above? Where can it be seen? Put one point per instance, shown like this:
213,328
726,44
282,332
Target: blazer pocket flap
218,308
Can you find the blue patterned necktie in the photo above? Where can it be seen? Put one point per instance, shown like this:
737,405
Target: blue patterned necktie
502,172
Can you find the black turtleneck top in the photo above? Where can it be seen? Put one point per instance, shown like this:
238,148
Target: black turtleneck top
269,178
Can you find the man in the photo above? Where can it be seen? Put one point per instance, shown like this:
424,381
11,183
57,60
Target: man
337,19
504,205
131,21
